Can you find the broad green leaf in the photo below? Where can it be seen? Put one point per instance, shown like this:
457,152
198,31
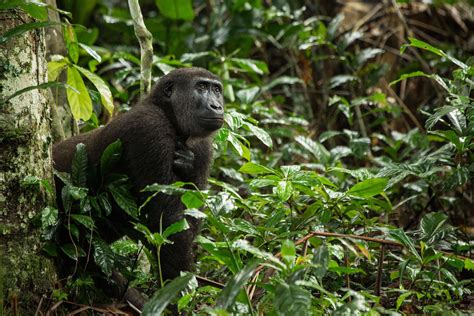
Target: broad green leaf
219,252
254,168
55,68
284,190
49,216
431,225
291,299
110,156
157,304
439,113
84,220
288,251
250,65
400,236
124,199
236,284
23,28
125,247
261,134
104,203
175,228
247,95
321,261
281,80
318,150
246,246
36,9
368,188
80,101
469,264
176,9
192,199
338,80
79,166
103,256
73,251
101,86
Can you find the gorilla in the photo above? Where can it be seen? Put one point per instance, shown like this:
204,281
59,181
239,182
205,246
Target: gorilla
166,137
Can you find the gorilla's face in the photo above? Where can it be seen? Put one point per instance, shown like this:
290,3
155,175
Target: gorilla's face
209,103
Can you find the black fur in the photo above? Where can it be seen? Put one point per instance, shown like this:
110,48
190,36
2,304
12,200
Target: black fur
167,137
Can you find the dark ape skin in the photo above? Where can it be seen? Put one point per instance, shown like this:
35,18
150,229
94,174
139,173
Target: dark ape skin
167,137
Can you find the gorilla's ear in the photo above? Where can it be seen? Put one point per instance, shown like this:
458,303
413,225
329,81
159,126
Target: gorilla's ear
168,89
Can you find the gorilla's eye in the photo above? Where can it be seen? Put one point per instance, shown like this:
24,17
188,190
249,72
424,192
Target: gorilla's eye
217,89
201,87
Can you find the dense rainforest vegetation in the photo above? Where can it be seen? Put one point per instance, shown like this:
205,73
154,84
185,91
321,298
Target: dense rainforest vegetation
341,181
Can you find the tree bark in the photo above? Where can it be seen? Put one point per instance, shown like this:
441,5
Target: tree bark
25,150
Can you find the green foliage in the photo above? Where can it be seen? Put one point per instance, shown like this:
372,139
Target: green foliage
317,164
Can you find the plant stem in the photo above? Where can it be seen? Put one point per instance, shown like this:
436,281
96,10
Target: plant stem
146,46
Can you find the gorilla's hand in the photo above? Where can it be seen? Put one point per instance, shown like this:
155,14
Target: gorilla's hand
183,163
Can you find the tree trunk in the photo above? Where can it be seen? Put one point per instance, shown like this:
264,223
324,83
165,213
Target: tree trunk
25,151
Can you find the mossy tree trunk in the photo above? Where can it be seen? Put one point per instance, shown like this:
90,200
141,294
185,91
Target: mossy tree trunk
25,151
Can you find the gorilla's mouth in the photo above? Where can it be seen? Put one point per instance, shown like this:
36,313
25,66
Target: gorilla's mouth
211,119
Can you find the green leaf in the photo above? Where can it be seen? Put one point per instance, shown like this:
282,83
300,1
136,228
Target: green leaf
410,75
254,168
261,134
192,199
469,264
232,288
157,304
250,65
368,188
23,28
318,150
80,101
321,261
288,251
84,220
338,80
124,199
291,299
400,236
423,45
91,52
33,7
55,68
103,256
101,86
110,156
79,166
431,225
439,113
284,190
175,228
401,299
49,216
281,80
73,252
176,9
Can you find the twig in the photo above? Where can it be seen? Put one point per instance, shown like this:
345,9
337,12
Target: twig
378,282
146,46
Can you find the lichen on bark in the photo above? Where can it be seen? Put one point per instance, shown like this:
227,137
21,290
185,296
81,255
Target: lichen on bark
25,150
